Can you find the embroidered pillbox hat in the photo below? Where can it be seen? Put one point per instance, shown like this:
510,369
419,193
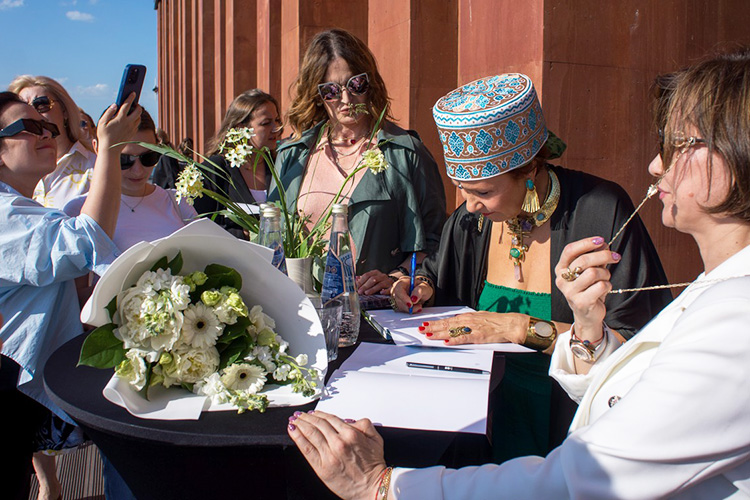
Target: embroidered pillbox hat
491,126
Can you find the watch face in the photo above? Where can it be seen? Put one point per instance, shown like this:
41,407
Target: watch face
543,329
581,352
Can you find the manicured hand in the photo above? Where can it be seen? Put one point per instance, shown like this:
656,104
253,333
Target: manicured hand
346,455
373,282
483,328
400,294
587,292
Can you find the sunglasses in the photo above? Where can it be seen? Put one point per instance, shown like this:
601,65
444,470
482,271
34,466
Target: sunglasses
357,85
148,159
36,127
42,104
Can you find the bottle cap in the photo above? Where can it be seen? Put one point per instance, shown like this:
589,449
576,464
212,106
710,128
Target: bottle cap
339,208
271,211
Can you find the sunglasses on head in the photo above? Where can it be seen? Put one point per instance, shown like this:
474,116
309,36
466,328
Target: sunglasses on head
357,85
148,159
42,104
36,127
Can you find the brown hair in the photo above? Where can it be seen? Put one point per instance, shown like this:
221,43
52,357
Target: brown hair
305,110
239,113
6,99
59,95
714,97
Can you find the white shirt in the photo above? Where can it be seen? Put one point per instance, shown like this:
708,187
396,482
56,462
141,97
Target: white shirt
681,425
146,218
71,178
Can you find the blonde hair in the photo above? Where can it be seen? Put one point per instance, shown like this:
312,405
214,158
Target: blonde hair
238,114
61,97
306,110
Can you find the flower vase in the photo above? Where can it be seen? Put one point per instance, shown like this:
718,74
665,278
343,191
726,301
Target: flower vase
300,271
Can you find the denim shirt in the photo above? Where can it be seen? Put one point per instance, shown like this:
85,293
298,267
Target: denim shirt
43,251
391,214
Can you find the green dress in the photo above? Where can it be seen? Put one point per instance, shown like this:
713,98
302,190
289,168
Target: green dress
521,404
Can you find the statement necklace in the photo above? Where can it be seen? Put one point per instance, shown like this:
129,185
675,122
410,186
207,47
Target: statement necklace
335,155
522,225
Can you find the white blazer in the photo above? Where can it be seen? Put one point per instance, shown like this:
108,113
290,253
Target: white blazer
665,415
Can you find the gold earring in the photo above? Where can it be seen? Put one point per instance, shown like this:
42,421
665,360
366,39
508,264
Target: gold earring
531,200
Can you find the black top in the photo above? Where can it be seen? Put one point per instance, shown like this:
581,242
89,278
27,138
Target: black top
589,206
166,171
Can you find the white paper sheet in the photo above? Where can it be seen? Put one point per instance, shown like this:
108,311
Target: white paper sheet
250,208
376,383
404,328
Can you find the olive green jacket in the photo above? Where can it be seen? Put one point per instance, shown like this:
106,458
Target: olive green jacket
391,214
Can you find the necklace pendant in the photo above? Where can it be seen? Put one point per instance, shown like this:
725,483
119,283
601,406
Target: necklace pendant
517,271
132,210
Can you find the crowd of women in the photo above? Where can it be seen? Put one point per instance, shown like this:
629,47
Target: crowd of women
613,402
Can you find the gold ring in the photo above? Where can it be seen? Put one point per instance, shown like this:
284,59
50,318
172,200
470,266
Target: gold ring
459,330
392,300
569,275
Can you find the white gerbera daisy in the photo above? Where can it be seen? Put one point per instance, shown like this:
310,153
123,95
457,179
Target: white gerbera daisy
244,377
200,327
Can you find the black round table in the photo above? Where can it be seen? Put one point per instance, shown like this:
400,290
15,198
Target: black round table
223,454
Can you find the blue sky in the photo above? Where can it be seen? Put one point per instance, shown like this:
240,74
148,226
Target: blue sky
83,44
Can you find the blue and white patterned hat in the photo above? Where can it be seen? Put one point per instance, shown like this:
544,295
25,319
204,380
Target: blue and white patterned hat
490,126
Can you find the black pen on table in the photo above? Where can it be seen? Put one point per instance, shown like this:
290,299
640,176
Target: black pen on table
411,278
446,368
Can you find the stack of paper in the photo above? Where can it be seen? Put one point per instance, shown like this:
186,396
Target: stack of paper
375,382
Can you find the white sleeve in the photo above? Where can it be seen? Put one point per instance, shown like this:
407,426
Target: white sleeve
562,365
682,430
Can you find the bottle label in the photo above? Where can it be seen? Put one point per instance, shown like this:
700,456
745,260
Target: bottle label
279,260
338,276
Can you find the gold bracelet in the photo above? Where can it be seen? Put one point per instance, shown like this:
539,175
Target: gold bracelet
384,484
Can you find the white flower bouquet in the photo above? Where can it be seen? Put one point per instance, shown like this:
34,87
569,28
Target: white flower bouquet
196,331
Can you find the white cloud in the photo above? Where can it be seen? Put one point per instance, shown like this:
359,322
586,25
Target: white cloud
10,4
96,90
75,15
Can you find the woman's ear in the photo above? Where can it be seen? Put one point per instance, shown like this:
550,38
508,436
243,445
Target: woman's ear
95,145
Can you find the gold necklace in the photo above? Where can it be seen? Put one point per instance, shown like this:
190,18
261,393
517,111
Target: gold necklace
522,225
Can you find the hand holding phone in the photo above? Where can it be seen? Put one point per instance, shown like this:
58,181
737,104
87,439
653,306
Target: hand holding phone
132,82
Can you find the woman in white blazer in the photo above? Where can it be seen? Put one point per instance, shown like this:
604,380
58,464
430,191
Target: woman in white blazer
666,414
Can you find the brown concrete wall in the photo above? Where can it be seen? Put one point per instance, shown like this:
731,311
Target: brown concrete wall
591,61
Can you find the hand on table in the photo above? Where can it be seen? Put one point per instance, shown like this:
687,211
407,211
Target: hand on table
583,278
373,282
483,328
346,455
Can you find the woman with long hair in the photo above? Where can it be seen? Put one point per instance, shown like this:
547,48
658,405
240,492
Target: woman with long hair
339,97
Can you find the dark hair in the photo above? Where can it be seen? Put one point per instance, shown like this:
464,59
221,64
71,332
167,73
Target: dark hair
6,99
238,114
147,123
326,46
714,97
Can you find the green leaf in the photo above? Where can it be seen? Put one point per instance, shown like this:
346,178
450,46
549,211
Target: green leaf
102,349
149,371
160,264
232,332
112,307
175,265
234,352
219,276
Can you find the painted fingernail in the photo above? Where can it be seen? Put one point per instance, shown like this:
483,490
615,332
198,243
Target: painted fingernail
426,323
349,420
428,334
297,413
446,340
293,418
616,256
408,304
292,427
311,411
418,310
421,328
597,241
414,298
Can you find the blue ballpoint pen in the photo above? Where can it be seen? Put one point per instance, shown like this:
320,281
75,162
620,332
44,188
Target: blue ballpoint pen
411,278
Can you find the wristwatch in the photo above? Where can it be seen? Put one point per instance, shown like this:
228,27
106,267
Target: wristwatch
585,350
540,334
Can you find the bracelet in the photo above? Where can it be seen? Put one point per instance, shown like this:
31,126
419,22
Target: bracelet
392,277
424,279
402,270
384,484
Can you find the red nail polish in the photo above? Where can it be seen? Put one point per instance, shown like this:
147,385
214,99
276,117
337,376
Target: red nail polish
421,328
408,304
426,323
414,298
446,341
428,334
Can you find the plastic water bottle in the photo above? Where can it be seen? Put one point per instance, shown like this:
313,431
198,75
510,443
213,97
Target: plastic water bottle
338,278
271,236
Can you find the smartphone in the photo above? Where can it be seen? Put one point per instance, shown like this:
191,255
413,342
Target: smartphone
132,81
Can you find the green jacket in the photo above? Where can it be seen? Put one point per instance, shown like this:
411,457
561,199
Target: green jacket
391,214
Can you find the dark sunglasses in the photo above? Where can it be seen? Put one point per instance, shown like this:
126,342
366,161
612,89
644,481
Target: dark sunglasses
357,85
42,104
36,127
148,159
